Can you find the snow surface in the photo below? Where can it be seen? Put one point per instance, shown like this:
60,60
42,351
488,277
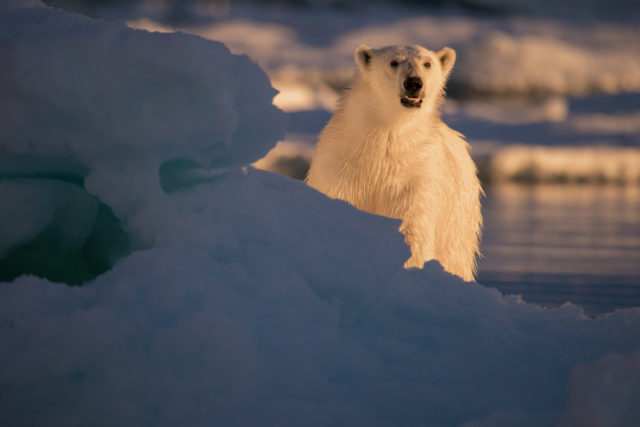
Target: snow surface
614,382
158,103
248,298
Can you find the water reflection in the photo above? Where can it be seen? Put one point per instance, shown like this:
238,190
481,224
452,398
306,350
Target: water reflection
558,243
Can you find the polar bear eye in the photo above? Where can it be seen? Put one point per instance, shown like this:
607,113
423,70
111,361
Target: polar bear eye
394,64
427,64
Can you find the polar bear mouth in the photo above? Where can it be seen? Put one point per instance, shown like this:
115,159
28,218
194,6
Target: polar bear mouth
410,102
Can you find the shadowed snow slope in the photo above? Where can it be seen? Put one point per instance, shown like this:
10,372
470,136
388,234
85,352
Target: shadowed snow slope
105,107
249,299
269,304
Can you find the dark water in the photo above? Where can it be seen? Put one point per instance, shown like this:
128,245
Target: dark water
558,243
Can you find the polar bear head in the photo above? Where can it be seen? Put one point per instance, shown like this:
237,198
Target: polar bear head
412,77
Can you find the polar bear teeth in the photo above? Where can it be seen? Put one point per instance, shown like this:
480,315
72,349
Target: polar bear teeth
410,102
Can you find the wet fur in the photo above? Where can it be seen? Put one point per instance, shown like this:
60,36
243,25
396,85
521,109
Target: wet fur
401,162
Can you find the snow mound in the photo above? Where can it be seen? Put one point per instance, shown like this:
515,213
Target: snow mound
614,382
247,298
271,304
106,107
165,95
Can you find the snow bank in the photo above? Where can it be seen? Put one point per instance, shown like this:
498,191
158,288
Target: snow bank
107,107
248,298
612,381
273,305
172,82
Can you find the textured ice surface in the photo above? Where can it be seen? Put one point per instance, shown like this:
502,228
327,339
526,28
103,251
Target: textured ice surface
267,303
159,95
614,383
106,106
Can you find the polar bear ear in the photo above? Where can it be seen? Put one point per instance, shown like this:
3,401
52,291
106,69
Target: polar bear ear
447,58
363,55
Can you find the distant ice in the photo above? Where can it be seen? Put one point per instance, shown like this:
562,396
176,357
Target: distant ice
545,58
567,164
508,56
549,140
515,82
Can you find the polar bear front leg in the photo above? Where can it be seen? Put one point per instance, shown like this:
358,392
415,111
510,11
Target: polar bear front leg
421,239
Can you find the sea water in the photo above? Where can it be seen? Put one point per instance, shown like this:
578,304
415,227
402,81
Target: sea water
561,243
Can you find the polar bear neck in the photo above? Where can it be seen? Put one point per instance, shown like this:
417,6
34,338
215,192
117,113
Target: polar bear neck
359,109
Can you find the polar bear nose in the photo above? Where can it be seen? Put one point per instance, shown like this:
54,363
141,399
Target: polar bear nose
413,85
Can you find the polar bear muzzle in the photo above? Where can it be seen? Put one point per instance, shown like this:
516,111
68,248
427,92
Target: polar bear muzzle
412,98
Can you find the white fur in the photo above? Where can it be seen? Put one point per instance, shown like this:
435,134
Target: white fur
401,162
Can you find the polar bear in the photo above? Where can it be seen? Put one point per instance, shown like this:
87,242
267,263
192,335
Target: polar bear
386,151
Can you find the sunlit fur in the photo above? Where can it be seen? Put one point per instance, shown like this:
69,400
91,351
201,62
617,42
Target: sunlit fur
401,162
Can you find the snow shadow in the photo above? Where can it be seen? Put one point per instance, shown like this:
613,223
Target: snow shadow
59,232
